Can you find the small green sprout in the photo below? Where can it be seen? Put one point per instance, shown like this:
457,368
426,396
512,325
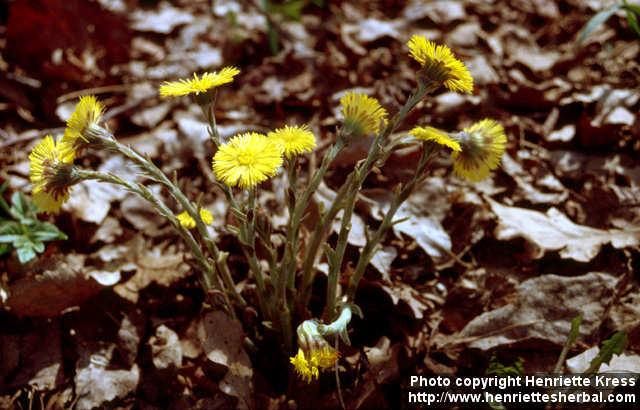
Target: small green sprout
20,228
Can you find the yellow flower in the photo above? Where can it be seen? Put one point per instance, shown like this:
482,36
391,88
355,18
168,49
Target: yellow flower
482,146
247,160
362,114
309,367
187,221
296,140
88,113
435,135
440,64
198,85
50,175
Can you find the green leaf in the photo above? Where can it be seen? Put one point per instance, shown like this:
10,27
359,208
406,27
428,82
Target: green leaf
596,21
571,339
3,204
10,238
45,231
633,22
4,248
274,39
23,209
38,246
290,9
632,7
613,345
498,369
25,254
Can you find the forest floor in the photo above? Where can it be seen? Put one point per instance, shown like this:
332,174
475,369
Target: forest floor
482,276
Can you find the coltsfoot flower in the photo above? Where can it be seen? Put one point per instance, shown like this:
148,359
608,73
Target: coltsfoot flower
187,221
435,135
308,365
362,114
247,160
51,174
87,114
314,352
197,85
295,139
440,64
483,144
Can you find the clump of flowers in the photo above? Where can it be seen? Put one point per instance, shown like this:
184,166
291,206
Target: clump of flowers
284,270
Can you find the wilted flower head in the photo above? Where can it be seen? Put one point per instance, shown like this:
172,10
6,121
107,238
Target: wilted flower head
439,64
296,140
87,115
435,135
247,160
362,114
314,353
187,221
197,85
482,145
51,174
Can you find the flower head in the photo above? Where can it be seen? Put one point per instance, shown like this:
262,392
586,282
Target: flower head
440,64
198,85
51,174
438,136
482,146
247,160
308,365
296,140
87,114
314,353
362,114
187,221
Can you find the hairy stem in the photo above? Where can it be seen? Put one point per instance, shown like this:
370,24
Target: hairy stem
141,190
372,242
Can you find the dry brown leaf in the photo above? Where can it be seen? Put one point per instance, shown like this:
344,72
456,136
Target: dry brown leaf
165,348
33,358
553,231
163,20
542,309
623,363
63,283
400,291
424,210
97,382
161,264
222,340
91,200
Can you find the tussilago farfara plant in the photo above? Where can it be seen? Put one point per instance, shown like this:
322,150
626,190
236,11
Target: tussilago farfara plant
241,163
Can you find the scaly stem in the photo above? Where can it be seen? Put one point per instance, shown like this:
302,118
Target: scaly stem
247,240
288,269
361,174
372,242
318,236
